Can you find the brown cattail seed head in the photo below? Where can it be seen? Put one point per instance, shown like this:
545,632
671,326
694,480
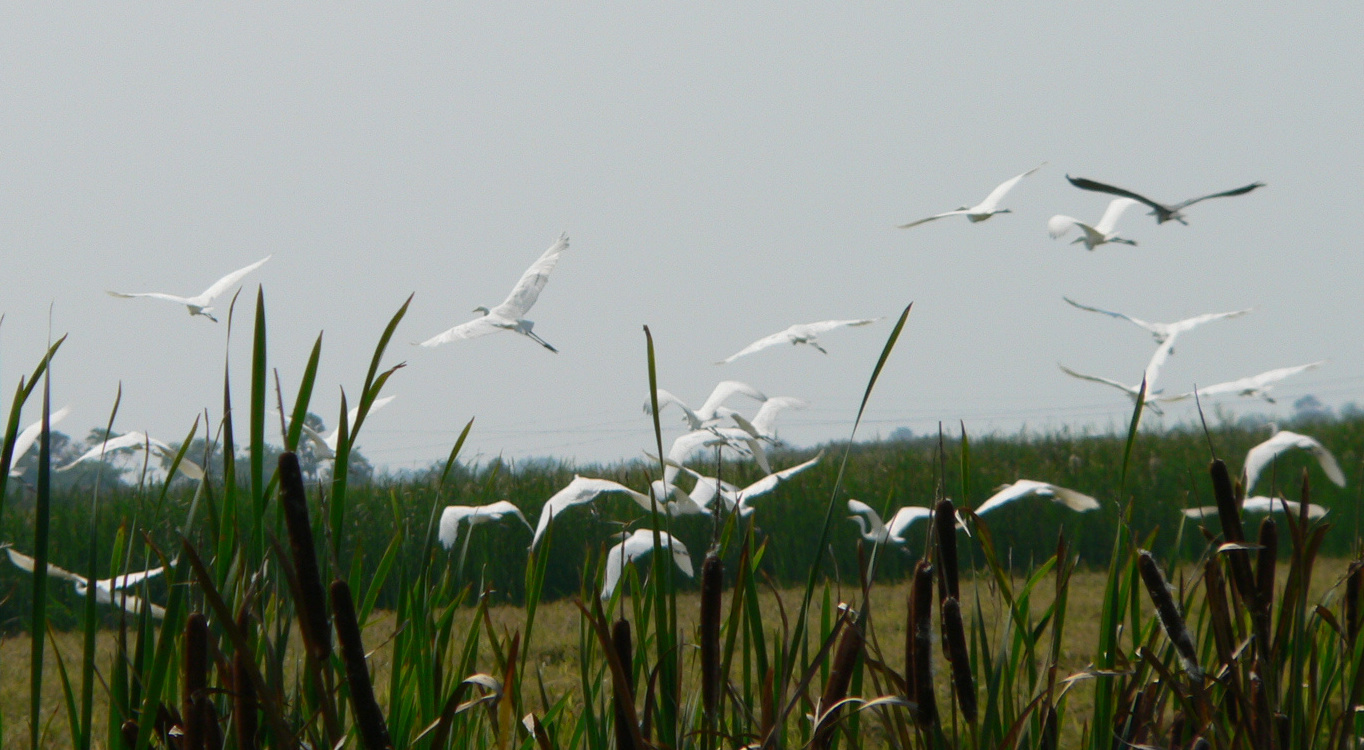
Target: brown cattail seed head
954,632
1352,586
373,730
945,520
1168,612
926,712
312,610
196,679
1228,511
840,677
625,652
712,584
244,691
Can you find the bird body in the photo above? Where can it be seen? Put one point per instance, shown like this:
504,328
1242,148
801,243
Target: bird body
1161,211
578,492
1150,375
474,515
105,588
801,333
709,411
510,314
200,304
1008,493
737,499
876,532
1101,233
983,210
638,544
1163,331
1283,441
761,425
1255,385
136,441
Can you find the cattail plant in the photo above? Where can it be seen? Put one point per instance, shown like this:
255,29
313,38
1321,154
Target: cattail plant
848,653
926,710
1265,562
243,691
195,669
1167,611
625,652
373,731
954,637
312,607
945,532
712,583
1229,514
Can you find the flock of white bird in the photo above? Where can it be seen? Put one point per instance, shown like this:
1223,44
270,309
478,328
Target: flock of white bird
717,427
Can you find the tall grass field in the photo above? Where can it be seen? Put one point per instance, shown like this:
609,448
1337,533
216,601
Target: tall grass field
302,608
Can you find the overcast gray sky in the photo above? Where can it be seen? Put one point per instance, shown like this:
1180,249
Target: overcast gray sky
723,170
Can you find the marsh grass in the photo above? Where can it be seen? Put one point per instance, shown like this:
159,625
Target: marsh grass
517,651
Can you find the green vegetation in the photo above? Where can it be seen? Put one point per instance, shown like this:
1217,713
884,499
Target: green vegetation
277,589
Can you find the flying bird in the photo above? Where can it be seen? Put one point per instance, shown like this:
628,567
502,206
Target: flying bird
1007,493
324,446
1099,234
1163,331
1150,374
104,588
25,439
736,499
510,315
474,515
136,441
1161,211
1261,504
983,210
709,411
580,491
1264,454
876,532
801,333
761,425
200,304
638,544
1255,385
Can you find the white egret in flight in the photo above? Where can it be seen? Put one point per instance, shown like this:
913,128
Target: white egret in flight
1261,504
761,425
136,441
25,439
876,532
983,210
638,544
1151,374
584,490
1099,234
200,304
1007,493
474,515
1264,454
1163,212
105,588
1163,331
1255,385
510,315
709,411
801,333
735,498
324,446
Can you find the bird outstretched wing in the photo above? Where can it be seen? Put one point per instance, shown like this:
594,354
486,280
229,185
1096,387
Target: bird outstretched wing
1099,187
527,289
472,329
1224,194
